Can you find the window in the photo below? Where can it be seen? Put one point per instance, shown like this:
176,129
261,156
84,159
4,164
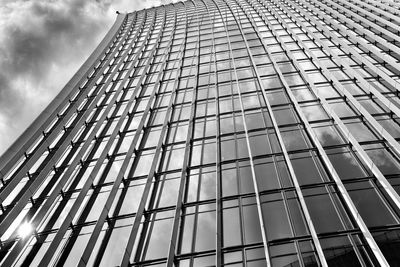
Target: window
294,138
370,204
308,168
277,221
346,163
322,204
360,131
284,115
314,112
327,134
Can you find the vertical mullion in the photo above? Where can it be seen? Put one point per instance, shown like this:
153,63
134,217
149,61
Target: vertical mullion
75,207
50,200
146,191
366,159
380,129
218,201
121,139
371,6
218,186
350,204
380,6
257,195
383,56
377,38
49,164
48,204
9,217
300,196
368,14
115,132
100,222
185,166
46,142
31,135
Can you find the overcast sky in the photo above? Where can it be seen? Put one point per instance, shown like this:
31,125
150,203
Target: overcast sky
42,44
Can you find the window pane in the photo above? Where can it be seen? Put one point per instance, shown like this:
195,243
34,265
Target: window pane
322,210
205,234
231,227
251,222
267,176
345,164
306,170
276,220
370,205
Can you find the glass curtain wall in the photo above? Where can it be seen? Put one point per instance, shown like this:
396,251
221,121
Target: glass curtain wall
219,133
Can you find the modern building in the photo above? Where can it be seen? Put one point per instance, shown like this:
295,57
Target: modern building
218,133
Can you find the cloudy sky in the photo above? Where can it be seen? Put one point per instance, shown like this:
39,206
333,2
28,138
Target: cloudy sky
42,44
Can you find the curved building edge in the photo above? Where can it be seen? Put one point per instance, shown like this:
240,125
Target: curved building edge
35,128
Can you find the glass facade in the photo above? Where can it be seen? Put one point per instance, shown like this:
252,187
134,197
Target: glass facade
218,133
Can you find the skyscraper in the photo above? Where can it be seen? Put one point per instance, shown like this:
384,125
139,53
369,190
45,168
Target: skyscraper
218,133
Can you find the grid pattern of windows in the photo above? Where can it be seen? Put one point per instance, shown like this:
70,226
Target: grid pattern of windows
218,133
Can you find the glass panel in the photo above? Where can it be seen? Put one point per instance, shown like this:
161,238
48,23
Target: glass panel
322,210
186,238
251,223
314,112
116,246
246,178
388,241
345,164
229,180
383,159
275,217
144,164
284,255
160,236
205,234
75,252
231,227
370,205
306,170
204,261
207,184
342,109
168,187
345,251
360,131
284,115
277,97
259,144
328,135
294,138
267,176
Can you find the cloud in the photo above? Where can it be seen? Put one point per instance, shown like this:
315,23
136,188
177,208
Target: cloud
42,44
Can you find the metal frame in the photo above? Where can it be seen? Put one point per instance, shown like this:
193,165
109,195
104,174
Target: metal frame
35,130
60,171
325,158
